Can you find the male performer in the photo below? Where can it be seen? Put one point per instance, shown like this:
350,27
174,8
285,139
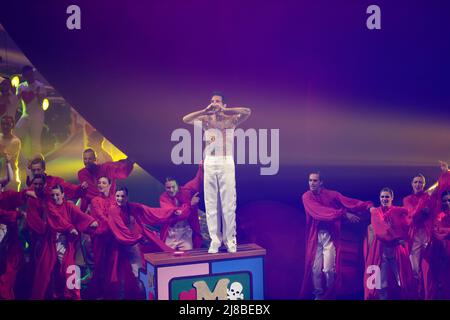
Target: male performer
420,219
325,210
37,167
9,102
31,92
92,171
184,232
10,144
386,248
219,123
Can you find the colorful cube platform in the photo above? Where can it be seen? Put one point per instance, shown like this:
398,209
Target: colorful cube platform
197,275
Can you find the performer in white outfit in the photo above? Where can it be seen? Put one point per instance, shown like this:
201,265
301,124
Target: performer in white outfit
219,123
32,93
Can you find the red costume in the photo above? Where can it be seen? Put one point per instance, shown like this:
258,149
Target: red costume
325,210
388,232
13,259
420,218
440,255
127,226
182,201
112,170
61,219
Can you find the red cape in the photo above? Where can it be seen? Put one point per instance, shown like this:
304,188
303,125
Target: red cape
327,206
389,228
113,170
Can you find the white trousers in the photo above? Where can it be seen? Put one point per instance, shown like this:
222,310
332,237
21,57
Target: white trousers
324,261
220,200
180,238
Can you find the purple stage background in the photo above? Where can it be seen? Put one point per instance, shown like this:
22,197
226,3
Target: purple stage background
369,108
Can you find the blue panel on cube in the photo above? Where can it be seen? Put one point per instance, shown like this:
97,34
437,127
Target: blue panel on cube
254,265
147,279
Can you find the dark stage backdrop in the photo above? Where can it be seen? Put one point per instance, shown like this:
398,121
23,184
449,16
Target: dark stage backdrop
369,108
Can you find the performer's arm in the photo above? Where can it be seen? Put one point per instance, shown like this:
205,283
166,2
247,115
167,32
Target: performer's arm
320,212
97,213
154,216
119,169
199,115
354,205
81,220
240,114
8,216
181,213
195,185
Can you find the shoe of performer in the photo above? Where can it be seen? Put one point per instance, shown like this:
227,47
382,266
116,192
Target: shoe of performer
232,249
213,248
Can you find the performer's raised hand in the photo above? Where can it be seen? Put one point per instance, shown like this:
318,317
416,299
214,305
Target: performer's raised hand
84,185
31,194
94,225
353,218
74,232
195,199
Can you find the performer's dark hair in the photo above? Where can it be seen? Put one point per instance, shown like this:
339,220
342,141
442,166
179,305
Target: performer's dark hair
38,159
26,69
107,178
90,150
171,179
386,189
315,172
39,176
122,188
220,94
421,176
58,187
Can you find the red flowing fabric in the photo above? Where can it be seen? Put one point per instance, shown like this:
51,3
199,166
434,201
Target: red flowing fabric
440,256
113,170
189,212
420,217
101,245
9,202
62,219
325,207
389,227
127,226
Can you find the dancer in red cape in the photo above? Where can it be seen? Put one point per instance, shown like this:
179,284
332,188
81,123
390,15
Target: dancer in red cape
56,263
386,248
324,211
420,218
182,232
126,222
93,171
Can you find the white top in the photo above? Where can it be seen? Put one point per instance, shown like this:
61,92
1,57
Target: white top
29,96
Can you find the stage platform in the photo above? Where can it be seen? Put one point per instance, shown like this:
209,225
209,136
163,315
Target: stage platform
197,275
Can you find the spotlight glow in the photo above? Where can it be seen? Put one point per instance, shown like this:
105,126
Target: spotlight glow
45,104
15,81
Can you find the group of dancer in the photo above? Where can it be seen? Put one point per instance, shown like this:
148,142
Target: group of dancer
406,249
43,230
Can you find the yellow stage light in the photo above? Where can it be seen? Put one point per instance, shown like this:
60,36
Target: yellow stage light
15,81
45,104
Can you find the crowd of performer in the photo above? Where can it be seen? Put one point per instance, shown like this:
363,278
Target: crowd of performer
406,249
114,232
